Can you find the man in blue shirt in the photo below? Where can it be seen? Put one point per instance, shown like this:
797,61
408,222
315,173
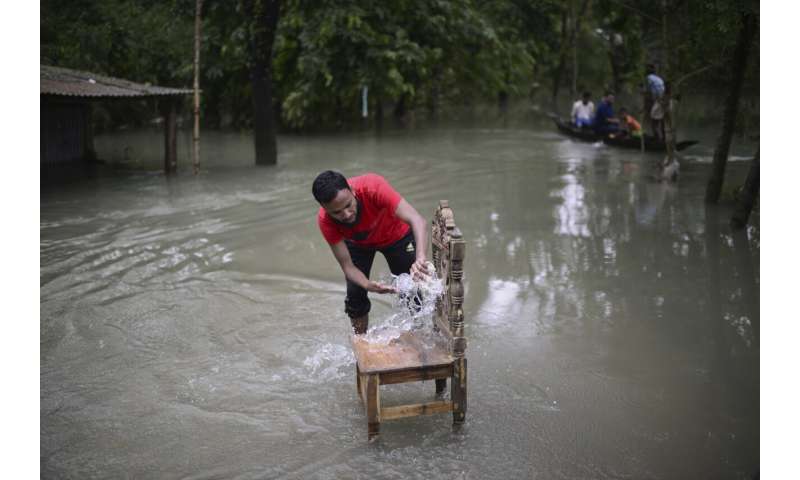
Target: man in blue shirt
604,121
653,109
655,84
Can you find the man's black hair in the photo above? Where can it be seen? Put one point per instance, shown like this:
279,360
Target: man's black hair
587,94
650,68
327,185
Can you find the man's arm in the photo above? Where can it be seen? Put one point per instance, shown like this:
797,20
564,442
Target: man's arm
419,227
352,273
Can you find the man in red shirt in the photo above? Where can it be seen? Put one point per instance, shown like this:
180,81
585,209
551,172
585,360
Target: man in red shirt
363,215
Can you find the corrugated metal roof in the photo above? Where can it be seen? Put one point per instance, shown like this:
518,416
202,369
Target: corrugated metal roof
72,83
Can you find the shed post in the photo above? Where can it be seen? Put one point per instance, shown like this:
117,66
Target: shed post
89,153
170,136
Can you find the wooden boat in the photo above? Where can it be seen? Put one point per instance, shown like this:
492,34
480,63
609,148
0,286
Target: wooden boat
651,143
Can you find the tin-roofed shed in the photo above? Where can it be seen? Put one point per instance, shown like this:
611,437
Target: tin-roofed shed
66,125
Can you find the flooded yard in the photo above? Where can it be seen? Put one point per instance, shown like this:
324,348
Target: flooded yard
194,327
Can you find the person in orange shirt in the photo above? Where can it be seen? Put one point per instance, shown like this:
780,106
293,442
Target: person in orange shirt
629,124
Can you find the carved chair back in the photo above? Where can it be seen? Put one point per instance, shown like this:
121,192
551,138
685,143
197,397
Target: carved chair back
448,249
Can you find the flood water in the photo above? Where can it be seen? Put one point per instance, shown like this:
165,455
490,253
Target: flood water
193,327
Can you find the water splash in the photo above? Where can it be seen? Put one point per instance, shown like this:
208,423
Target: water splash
413,307
328,362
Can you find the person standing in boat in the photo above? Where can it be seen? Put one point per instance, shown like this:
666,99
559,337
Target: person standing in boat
583,111
653,107
604,121
363,215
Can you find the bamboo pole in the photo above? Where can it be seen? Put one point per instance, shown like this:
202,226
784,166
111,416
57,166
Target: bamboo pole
574,45
196,132
645,116
666,99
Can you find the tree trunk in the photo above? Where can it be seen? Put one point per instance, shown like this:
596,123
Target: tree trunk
562,58
401,111
264,21
744,206
570,26
664,40
738,68
196,112
378,114
576,29
338,112
502,106
167,107
435,93
616,68
573,44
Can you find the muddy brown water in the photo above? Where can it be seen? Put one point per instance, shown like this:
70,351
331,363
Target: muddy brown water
193,327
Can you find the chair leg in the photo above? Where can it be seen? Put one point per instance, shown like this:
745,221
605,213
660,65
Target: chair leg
441,386
458,390
373,406
358,382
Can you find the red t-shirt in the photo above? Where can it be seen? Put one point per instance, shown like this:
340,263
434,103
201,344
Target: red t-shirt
377,225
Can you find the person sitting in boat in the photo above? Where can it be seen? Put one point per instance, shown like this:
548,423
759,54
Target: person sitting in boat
604,121
583,111
630,127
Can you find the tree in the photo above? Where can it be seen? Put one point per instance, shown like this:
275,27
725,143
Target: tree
435,54
749,25
571,21
262,16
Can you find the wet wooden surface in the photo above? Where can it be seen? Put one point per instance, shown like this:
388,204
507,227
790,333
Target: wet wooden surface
406,352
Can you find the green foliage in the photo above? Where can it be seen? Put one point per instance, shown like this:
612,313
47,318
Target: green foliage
708,35
139,40
395,48
423,54
428,52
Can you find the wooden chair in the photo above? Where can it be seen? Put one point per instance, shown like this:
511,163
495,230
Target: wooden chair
407,359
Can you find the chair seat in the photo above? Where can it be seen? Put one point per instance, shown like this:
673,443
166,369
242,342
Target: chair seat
409,351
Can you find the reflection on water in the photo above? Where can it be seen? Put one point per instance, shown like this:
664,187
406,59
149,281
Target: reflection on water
193,327
572,214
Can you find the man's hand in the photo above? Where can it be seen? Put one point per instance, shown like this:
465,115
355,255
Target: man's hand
419,269
406,213
379,287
